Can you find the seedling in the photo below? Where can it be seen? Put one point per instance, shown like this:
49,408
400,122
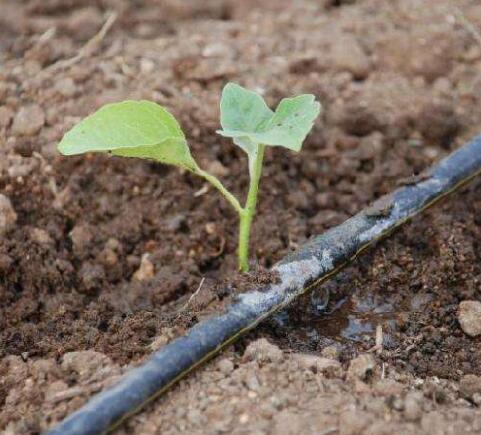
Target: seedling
146,130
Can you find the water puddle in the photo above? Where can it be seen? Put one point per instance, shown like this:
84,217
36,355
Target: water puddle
348,320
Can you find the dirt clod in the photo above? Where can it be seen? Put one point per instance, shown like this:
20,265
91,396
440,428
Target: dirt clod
84,363
317,364
263,351
28,121
469,316
470,385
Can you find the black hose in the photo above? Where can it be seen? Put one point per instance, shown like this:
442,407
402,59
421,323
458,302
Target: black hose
313,263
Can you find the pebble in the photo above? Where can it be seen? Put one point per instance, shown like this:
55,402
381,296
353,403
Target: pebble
146,269
28,120
225,366
217,169
413,405
470,385
19,166
66,87
469,316
263,351
361,366
8,217
84,362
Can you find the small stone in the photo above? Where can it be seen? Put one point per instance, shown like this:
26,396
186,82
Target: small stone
28,120
413,409
328,367
113,244
84,362
361,367
251,382
146,269
8,217
469,316
225,366
263,351
477,398
108,257
41,237
66,87
19,166
469,385
216,168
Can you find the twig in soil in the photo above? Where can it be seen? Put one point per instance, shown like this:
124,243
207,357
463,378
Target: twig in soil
88,49
193,295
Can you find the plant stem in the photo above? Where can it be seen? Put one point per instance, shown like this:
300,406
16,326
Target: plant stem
219,186
248,212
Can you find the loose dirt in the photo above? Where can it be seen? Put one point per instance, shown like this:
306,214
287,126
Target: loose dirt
99,256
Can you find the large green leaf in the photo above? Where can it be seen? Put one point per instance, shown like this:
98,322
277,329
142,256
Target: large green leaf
140,129
246,118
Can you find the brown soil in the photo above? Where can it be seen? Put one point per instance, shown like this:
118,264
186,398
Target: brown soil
97,268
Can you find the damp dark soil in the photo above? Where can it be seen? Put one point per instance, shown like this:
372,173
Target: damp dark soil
99,256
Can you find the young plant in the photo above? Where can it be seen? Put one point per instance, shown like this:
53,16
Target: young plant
146,130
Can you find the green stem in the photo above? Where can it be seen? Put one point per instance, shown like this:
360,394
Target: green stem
248,212
218,185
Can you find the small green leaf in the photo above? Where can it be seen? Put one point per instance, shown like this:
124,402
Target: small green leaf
246,118
242,110
140,129
291,123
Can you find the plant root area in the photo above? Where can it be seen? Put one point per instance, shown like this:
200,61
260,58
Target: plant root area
104,260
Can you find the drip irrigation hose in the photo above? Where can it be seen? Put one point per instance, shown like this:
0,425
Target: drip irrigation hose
315,262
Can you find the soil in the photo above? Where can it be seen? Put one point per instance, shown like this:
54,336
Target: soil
99,256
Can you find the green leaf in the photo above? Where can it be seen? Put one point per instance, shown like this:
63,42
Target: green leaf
242,110
246,118
291,123
140,129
